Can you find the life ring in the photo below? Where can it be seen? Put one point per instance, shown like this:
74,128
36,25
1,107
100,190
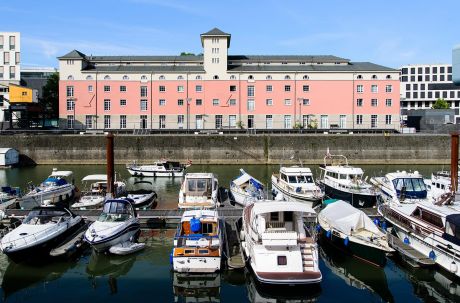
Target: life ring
203,242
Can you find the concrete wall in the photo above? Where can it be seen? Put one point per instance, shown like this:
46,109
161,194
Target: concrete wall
229,149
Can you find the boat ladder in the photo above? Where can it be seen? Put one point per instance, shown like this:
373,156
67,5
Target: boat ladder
307,256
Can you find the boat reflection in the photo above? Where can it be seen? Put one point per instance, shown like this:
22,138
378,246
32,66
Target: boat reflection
196,287
166,188
355,272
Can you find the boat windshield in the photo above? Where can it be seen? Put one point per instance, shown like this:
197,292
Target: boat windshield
305,179
115,212
198,186
42,216
412,187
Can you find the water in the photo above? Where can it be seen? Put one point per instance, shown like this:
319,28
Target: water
147,276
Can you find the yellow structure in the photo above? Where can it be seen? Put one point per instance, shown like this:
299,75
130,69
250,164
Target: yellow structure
20,94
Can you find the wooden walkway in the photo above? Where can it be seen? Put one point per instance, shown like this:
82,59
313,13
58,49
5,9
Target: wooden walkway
410,255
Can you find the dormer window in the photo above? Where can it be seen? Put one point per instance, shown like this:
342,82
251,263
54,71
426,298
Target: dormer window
198,77
250,77
70,77
305,77
388,76
180,78
216,77
161,77
107,77
232,77
268,77
359,77
287,77
125,77
374,77
144,78
89,77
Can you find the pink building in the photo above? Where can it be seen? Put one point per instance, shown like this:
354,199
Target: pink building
216,90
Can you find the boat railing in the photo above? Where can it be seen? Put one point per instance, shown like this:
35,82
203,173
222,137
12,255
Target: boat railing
354,187
274,224
26,239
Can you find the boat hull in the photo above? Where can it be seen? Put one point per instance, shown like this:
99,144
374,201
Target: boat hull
57,195
243,199
150,173
310,200
200,264
356,200
362,252
120,237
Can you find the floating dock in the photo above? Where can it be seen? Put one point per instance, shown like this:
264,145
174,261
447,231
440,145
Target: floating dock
410,255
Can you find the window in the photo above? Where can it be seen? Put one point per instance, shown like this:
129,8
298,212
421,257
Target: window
359,88
388,102
287,122
198,77
143,121
90,88
250,91
269,102
232,121
359,102
107,77
17,57
180,121
287,88
106,104
70,104
215,102
359,119
269,121
89,77
162,122
162,88
232,102
106,121
374,88
70,77
12,42
143,105
69,90
122,88
215,60
122,102
250,121
287,101
125,77
343,121
218,121
233,88
251,104
199,121
388,77
373,121
180,77
70,121
106,88
180,88
162,102
387,119
123,121
374,77
269,88
305,121
305,101
216,77
287,77
13,72
89,121
199,88
268,77
305,77
374,102
359,77
143,91
144,78
250,77
324,121
199,102
6,57
306,88
180,102
389,88
161,77
232,77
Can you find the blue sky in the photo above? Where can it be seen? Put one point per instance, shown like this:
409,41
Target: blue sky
391,33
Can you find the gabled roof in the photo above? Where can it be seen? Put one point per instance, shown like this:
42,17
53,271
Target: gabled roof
215,32
351,67
286,58
73,55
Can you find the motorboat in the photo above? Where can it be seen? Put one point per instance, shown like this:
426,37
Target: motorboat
9,194
56,188
126,248
342,181
196,287
142,198
118,223
245,189
296,183
199,190
198,242
351,231
43,229
276,243
160,168
439,184
94,191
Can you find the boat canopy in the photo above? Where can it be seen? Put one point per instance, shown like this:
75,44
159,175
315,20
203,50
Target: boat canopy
99,177
61,173
57,181
410,187
118,206
246,178
342,216
453,228
269,206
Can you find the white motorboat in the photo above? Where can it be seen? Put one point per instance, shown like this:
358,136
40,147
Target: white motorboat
94,191
245,189
142,197
56,188
199,190
297,184
9,194
117,224
43,229
161,168
198,242
278,247
342,181
353,232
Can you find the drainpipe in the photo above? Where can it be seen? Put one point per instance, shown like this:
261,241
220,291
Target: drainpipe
454,162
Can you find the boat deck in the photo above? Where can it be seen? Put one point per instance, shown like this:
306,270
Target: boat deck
412,256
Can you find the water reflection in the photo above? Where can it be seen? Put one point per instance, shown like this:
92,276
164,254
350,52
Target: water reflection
167,189
355,272
196,287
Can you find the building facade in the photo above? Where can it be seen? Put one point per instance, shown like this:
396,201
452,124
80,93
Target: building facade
218,91
36,77
423,84
456,65
10,62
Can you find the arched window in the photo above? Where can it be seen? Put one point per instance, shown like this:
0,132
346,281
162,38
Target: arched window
70,77
268,77
144,78
216,77
107,77
250,77
388,77
287,77
161,77
89,77
232,77
198,77
125,77
359,77
374,77
180,78
306,77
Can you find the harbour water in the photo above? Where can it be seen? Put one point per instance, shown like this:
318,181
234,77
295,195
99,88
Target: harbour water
147,275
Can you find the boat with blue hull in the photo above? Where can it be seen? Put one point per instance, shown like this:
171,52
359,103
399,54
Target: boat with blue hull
245,189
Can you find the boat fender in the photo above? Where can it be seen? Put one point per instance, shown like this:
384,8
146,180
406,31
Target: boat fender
328,234
171,256
432,255
318,228
384,225
376,221
274,193
453,267
406,240
298,189
195,225
346,241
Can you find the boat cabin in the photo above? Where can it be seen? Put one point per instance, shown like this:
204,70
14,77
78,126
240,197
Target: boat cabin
452,232
200,184
296,175
410,187
46,215
116,210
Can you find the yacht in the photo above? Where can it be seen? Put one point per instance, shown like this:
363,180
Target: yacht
245,189
142,198
8,194
94,191
199,190
160,168
278,247
198,242
297,184
43,229
345,182
117,224
56,188
353,232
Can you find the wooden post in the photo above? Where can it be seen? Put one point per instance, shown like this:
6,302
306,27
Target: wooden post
110,166
454,162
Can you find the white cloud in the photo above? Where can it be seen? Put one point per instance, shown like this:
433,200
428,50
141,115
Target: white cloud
175,5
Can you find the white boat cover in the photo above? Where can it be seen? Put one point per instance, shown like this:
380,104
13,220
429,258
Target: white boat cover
245,177
269,206
342,216
100,177
61,173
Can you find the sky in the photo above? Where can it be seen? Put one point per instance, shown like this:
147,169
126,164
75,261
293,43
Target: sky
391,33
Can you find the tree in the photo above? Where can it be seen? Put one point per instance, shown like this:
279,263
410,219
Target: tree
441,104
187,54
50,96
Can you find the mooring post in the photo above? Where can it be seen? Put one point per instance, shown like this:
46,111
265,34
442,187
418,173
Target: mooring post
110,166
454,162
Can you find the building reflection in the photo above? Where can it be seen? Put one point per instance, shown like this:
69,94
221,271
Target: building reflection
196,287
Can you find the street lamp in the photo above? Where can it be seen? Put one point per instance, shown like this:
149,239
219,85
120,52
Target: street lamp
300,100
188,113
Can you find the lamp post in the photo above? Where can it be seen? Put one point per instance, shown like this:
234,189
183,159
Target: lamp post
300,100
188,113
